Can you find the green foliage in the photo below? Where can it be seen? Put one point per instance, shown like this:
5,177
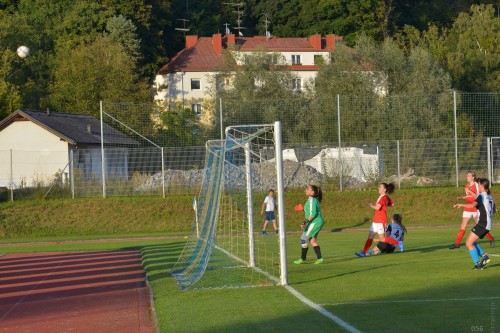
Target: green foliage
182,128
101,70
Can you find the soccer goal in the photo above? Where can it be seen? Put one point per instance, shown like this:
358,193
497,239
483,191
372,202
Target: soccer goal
226,247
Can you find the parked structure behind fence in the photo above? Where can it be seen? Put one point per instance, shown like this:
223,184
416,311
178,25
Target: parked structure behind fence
340,143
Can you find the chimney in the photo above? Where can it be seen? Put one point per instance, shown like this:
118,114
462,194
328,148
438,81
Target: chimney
315,41
217,43
191,41
331,41
231,38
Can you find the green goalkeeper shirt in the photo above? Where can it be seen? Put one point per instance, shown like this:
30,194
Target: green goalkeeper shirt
313,208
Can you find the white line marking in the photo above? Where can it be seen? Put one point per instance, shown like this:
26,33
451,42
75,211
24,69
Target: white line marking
322,310
415,301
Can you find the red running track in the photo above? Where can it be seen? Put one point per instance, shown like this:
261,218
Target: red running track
74,292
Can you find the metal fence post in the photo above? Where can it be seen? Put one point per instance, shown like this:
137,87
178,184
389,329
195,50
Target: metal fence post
163,172
456,134
103,162
71,173
399,165
221,121
340,142
11,178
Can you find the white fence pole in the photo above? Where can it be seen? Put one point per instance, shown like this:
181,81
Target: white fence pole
103,162
340,143
163,171
399,165
456,134
71,173
11,178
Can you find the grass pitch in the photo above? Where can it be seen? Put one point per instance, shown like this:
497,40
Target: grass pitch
428,288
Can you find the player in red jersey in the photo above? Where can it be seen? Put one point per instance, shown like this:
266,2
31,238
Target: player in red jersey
471,192
380,219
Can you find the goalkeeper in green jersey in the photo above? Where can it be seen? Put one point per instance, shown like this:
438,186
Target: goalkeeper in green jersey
312,224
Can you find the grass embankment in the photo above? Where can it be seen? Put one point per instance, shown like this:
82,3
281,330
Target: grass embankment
148,216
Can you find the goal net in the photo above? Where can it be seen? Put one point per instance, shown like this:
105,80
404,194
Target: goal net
226,247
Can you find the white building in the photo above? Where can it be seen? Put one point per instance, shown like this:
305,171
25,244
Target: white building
186,77
36,147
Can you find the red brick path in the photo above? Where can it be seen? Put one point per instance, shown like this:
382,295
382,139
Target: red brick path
74,292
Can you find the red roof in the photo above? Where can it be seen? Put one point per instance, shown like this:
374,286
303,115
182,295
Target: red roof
203,57
199,58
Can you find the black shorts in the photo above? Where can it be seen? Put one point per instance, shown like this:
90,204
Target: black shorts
480,231
385,247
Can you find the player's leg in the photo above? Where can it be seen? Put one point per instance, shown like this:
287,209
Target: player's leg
461,233
474,249
264,227
304,247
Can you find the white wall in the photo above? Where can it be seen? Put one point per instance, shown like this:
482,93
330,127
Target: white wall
357,164
37,155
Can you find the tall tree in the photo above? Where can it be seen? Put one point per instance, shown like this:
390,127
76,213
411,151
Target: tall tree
101,70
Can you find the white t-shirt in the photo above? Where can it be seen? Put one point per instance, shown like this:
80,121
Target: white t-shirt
269,201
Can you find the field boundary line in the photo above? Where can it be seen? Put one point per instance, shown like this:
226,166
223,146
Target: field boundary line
322,310
415,301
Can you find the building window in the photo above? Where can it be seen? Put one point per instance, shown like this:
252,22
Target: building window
195,84
196,108
296,59
297,84
318,59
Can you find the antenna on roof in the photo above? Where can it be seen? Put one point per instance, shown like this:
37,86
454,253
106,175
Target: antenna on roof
228,31
266,22
239,13
184,29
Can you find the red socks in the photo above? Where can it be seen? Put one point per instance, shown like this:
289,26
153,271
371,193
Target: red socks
368,243
460,235
490,237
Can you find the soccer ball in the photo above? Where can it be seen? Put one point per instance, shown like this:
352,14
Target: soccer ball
23,51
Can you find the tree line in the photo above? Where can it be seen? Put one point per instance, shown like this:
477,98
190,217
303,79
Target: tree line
85,51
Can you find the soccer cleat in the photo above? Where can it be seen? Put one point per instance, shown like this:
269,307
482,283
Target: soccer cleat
485,260
478,266
277,231
319,261
370,252
492,243
264,233
454,246
360,254
299,261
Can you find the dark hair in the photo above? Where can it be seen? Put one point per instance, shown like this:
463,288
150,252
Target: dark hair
271,190
486,184
318,194
389,188
398,218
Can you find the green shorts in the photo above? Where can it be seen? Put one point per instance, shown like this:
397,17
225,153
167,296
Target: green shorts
313,229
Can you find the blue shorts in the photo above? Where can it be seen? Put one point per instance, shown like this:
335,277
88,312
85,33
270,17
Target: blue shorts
270,216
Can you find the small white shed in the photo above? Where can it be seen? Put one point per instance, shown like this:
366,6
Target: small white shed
36,147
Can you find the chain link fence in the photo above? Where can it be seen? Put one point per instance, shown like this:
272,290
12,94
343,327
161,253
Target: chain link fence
342,142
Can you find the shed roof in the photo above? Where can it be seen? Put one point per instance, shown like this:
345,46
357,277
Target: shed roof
76,129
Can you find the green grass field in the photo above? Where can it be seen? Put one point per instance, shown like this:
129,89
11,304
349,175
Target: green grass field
429,288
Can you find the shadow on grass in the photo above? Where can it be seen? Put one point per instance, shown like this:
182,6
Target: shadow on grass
365,220
158,260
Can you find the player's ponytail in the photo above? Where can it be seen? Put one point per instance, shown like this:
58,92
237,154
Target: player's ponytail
318,194
389,188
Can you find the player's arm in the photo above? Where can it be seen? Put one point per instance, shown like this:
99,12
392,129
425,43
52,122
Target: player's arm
263,208
471,205
376,206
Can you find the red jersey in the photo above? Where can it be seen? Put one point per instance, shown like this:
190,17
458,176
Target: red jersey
381,214
469,198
